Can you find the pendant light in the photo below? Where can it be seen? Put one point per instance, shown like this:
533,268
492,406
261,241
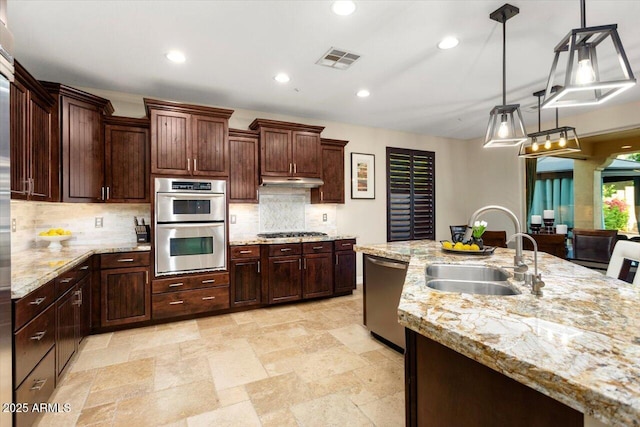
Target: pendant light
589,78
505,128
552,142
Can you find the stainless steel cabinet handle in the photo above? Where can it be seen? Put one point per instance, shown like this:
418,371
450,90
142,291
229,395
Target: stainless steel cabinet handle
285,249
25,186
295,168
38,384
396,265
322,195
108,188
38,301
38,335
188,165
245,252
195,165
317,247
67,280
175,285
209,281
258,266
125,260
84,267
176,302
299,264
290,167
101,193
347,244
30,190
207,298
146,277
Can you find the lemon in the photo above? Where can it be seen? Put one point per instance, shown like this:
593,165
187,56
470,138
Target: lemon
474,247
67,232
447,245
458,246
466,247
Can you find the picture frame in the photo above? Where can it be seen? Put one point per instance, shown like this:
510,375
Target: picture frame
363,175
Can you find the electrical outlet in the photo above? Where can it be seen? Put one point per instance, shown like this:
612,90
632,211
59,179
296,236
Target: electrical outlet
98,223
13,225
233,219
324,217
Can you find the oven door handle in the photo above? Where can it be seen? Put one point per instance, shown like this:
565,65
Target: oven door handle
191,224
189,196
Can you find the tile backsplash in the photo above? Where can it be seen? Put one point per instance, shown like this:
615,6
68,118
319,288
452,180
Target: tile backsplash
117,219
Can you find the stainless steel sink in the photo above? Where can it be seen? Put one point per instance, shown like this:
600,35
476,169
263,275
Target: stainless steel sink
472,287
479,273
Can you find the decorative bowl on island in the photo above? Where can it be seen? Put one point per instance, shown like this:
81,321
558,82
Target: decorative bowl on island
54,237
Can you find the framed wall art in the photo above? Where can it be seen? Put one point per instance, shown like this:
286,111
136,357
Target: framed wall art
363,176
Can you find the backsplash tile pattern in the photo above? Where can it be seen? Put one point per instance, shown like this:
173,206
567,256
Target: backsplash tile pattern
33,217
282,212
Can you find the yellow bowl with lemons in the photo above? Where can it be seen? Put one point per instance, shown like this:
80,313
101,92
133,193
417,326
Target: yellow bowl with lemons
54,236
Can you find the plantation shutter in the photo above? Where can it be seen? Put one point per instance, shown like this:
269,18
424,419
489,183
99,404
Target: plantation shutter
410,194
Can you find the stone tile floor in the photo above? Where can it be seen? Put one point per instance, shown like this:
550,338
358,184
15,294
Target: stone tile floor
306,364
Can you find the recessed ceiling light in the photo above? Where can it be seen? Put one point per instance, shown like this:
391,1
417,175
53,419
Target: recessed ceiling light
625,147
448,43
176,56
343,8
363,93
281,78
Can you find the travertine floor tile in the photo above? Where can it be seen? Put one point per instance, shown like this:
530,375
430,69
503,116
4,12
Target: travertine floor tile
277,392
230,416
268,342
382,379
214,322
236,367
165,336
316,342
388,411
123,373
167,406
121,392
98,415
96,342
231,396
331,410
327,362
280,362
281,418
180,372
356,337
161,353
91,359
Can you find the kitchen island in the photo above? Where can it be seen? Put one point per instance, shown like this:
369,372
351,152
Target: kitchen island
579,344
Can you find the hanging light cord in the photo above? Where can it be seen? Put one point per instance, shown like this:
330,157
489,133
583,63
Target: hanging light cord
504,58
583,13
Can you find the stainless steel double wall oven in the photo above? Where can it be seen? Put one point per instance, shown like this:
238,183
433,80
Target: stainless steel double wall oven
190,225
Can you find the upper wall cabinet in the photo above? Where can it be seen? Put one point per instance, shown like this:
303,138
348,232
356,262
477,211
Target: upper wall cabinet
288,149
243,168
127,159
78,117
188,139
34,150
332,191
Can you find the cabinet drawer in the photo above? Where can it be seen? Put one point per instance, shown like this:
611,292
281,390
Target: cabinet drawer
252,251
285,249
344,244
183,283
34,341
124,259
36,388
317,247
29,306
66,281
174,304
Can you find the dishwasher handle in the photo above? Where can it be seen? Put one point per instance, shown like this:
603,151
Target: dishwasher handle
396,265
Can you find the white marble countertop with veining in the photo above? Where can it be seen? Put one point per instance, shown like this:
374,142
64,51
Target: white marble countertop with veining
579,343
255,240
32,268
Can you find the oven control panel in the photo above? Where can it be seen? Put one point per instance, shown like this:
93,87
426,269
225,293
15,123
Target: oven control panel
191,185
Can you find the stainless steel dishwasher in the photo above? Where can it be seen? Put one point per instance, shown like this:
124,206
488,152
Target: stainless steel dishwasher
383,281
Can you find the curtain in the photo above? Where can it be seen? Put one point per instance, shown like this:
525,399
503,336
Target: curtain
531,168
556,194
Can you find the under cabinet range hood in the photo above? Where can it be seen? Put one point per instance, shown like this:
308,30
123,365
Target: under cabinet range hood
292,182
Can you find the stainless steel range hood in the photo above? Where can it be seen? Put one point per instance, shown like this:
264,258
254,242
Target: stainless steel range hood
292,182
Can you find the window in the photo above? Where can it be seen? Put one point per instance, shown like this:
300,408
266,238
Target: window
411,201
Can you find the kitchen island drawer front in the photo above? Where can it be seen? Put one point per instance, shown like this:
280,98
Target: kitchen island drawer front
28,307
34,341
174,304
344,244
36,388
252,251
317,247
285,249
185,283
124,260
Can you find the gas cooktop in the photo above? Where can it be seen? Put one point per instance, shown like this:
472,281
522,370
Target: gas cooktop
284,234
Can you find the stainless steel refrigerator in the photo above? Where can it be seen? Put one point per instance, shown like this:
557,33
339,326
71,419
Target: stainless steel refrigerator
6,76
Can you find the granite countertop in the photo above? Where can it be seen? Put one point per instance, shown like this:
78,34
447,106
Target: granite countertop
255,240
33,268
579,343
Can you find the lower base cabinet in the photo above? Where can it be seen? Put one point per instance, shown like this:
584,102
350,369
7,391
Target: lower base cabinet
317,270
246,276
35,389
184,295
344,276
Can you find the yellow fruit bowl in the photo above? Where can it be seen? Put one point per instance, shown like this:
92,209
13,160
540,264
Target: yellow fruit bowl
466,249
54,240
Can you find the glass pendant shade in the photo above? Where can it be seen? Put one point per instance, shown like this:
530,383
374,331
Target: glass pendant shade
561,140
505,128
597,68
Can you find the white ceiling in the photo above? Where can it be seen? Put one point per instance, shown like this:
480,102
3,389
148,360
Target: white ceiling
234,48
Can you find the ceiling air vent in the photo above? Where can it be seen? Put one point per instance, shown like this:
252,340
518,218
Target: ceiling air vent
338,58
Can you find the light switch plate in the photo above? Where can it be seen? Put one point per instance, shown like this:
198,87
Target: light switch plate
324,217
232,219
13,225
98,223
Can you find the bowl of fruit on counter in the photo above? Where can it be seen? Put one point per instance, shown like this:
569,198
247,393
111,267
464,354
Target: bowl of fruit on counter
54,236
469,248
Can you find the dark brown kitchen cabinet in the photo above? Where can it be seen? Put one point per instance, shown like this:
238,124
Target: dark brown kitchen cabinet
344,276
284,272
127,159
66,328
245,276
288,149
78,119
34,153
188,139
317,266
125,289
243,166
332,155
